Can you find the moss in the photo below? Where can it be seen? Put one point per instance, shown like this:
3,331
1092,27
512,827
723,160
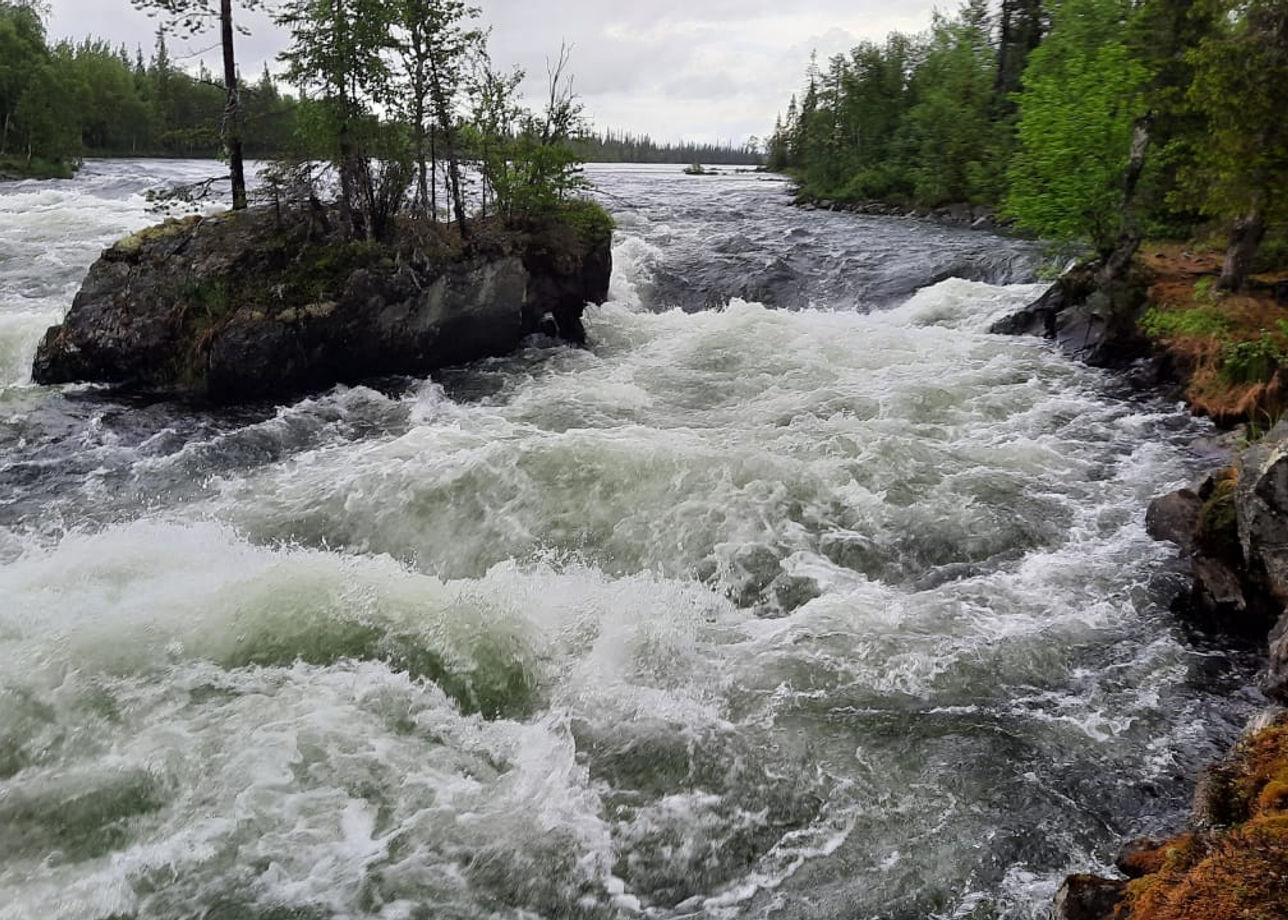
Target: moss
1218,528
135,242
1238,872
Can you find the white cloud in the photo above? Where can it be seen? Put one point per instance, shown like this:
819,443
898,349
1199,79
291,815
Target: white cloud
697,69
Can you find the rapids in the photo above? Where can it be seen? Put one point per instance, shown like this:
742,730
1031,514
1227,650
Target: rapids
795,596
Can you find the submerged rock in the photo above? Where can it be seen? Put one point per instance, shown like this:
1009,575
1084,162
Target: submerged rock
240,306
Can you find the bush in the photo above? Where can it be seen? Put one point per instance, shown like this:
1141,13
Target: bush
1196,322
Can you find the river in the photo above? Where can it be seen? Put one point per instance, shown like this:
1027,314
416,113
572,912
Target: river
796,595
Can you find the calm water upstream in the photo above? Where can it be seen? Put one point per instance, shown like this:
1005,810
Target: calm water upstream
796,596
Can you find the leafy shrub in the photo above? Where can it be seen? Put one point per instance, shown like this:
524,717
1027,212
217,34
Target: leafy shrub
1254,361
1196,322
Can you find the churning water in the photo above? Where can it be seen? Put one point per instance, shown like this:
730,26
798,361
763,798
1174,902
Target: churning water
821,603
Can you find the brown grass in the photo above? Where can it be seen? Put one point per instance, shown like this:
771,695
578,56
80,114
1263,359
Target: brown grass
1176,270
1240,873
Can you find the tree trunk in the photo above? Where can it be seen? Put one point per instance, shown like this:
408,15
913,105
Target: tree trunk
232,109
443,114
1245,237
433,175
422,167
1120,259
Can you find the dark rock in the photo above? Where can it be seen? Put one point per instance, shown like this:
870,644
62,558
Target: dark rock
1218,602
1088,897
1101,330
1276,680
1140,858
1262,505
1174,518
1090,321
1038,318
1281,293
237,307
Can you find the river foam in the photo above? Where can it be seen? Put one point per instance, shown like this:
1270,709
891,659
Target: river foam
748,612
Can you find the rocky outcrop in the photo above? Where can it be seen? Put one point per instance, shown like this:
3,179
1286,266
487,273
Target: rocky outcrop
1233,528
1089,320
241,306
1262,508
1227,594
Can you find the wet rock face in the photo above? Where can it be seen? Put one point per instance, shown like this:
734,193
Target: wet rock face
1089,321
1262,501
1088,897
1233,528
238,307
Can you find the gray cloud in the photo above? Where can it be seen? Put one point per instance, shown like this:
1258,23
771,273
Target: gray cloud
696,69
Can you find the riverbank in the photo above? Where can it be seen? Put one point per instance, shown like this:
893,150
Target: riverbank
1225,355
16,170
977,217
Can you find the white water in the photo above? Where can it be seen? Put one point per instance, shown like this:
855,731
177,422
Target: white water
744,612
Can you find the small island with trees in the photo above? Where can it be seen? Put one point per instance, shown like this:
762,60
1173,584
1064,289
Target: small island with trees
371,250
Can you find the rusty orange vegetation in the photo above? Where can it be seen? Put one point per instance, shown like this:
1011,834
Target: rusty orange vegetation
1238,871
1175,270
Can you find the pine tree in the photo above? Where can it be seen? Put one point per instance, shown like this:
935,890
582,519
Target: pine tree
191,16
1241,88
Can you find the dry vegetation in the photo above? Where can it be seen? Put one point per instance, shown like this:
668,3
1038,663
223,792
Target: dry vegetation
1231,348
1238,871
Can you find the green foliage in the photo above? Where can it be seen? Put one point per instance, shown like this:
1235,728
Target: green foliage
1240,88
956,149
22,53
1253,361
588,218
1197,322
1087,121
60,103
1082,95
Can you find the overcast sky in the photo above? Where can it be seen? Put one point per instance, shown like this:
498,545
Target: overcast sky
694,69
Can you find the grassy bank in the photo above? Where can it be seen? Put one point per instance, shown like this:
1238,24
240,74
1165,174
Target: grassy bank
1230,349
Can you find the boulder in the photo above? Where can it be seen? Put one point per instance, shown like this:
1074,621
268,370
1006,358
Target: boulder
1262,504
1090,320
1088,897
240,306
1174,518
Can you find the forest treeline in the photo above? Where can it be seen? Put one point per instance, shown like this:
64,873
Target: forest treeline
623,147
66,100
61,101
1099,121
